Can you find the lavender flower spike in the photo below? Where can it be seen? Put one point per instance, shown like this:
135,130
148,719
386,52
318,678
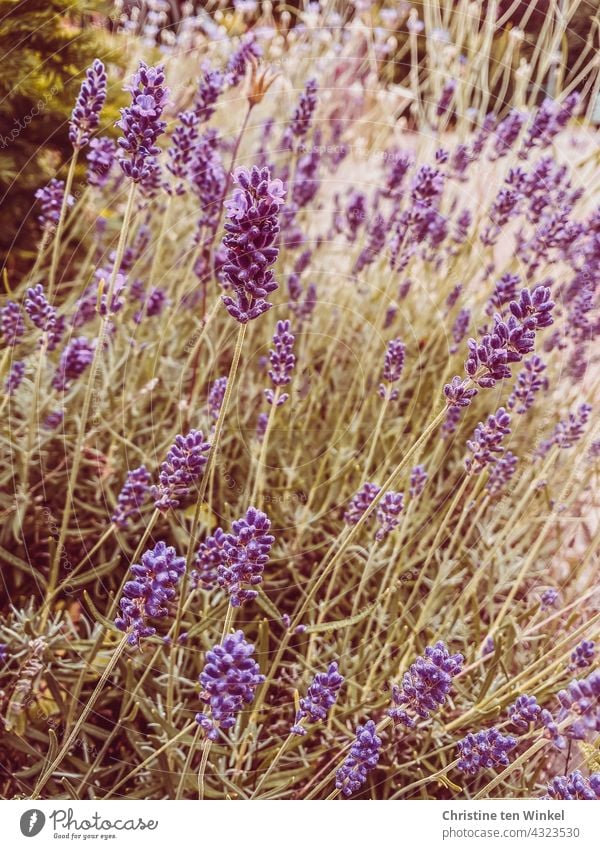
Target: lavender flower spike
321,695
418,479
75,359
245,554
282,361
142,125
487,441
525,711
91,98
574,786
487,749
426,685
182,468
360,502
388,512
229,680
392,368
363,757
132,496
250,242
50,198
150,592
12,326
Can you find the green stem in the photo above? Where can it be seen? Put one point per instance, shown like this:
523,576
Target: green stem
61,223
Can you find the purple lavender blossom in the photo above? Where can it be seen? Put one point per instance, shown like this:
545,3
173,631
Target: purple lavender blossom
209,90
426,685
487,749
12,326
356,214
570,430
320,697
388,512
307,182
305,109
181,470
247,51
76,357
209,557
583,655
261,426
50,199
549,598
401,163
282,361
443,104
86,114
505,291
132,496
180,153
363,757
360,502
459,328
53,420
229,680
245,553
458,394
529,382
393,365
418,479
141,123
574,786
215,397
101,157
152,305
148,595
580,701
487,441
377,236
207,177
252,228
524,712
507,133
501,473
15,377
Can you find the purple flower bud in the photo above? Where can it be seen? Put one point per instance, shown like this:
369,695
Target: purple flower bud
320,697
281,357
86,114
132,496
101,157
529,382
458,394
245,554
525,711
12,325
229,681
75,359
388,511
15,376
363,757
252,228
247,50
487,441
181,470
487,749
209,557
50,199
418,479
141,123
583,655
215,397
209,89
426,685
305,109
360,502
574,786
393,365
150,592
501,473
549,598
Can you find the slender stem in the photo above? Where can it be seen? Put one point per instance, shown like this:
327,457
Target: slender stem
84,715
188,761
262,459
61,223
202,770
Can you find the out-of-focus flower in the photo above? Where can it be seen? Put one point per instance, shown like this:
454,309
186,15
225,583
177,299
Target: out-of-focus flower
303,114
487,441
418,479
12,326
529,382
75,359
50,199
360,502
393,365
215,397
15,376
101,156
501,473
388,512
132,496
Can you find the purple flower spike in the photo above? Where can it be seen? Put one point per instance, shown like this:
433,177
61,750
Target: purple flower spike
534,309
247,51
209,557
245,553
574,786
75,359
101,156
15,376
229,680
142,125
388,512
501,473
215,397
305,110
393,365
583,654
12,326
86,114
135,491
529,382
181,152
50,199
282,360
485,750
487,441
458,393
524,712
252,227
363,757
150,592
360,502
418,479
209,89
321,695
426,685
181,470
